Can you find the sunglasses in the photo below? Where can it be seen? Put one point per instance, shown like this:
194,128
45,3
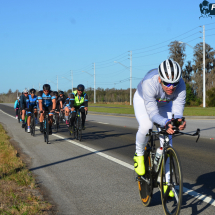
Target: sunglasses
80,91
25,93
46,90
169,84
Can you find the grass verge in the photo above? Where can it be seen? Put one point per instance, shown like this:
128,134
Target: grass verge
127,109
18,194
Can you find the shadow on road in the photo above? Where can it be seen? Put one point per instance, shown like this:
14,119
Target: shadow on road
203,182
80,156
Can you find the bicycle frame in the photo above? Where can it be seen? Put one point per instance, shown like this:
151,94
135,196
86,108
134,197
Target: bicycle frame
166,145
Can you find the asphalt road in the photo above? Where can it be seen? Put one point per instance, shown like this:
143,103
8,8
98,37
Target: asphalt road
85,177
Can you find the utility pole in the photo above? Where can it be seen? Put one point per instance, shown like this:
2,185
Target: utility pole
72,79
130,77
204,93
94,83
57,83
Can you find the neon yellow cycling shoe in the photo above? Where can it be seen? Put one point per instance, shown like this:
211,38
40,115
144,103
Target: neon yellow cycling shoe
139,165
171,194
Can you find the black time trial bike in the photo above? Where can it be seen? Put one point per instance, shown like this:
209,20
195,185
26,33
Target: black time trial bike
153,170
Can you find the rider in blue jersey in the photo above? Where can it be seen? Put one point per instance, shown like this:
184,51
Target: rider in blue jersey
32,107
16,106
23,105
47,102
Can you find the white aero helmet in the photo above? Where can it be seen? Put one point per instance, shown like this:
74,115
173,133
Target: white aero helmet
25,91
169,71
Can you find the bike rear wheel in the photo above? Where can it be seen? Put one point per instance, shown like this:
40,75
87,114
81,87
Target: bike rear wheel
47,130
172,205
19,116
33,125
146,190
79,129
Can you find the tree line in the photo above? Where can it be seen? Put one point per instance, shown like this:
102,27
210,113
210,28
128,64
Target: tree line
192,74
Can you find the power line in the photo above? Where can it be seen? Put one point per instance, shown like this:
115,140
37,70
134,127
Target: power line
166,40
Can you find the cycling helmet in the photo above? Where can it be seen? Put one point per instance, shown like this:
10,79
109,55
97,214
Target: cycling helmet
32,91
46,87
18,97
80,87
25,91
55,93
61,92
169,71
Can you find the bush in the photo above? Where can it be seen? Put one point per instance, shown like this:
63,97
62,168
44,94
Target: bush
211,97
190,96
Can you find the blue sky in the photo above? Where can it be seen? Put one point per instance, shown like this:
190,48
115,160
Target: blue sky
40,40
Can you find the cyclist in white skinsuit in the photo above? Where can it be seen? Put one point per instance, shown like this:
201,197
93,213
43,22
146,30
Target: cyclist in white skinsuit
161,93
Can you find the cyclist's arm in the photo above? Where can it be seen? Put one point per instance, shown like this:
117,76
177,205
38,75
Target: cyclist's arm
40,100
71,100
86,102
53,101
61,104
149,91
15,104
21,101
179,102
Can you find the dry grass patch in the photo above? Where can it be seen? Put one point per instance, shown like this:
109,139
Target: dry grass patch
18,194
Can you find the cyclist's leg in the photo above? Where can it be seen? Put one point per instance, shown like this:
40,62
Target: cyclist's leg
141,140
35,114
72,119
16,112
67,110
23,117
50,119
30,109
83,117
166,112
41,120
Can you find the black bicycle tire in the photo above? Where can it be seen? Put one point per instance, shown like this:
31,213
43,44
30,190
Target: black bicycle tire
33,126
19,116
145,198
74,129
31,130
57,122
47,129
79,129
169,151
44,130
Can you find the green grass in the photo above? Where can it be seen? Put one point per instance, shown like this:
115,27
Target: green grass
199,111
128,109
17,184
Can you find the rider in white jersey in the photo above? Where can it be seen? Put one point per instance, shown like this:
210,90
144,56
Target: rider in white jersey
161,93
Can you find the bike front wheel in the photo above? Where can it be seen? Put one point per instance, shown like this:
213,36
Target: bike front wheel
33,125
146,190
174,182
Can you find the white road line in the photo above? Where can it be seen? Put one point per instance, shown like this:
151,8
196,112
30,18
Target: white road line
122,163
103,123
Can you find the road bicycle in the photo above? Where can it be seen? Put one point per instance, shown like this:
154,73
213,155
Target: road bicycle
46,126
77,127
61,116
19,115
32,124
154,167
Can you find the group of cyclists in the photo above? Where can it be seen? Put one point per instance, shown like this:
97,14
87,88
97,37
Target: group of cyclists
161,93
51,102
